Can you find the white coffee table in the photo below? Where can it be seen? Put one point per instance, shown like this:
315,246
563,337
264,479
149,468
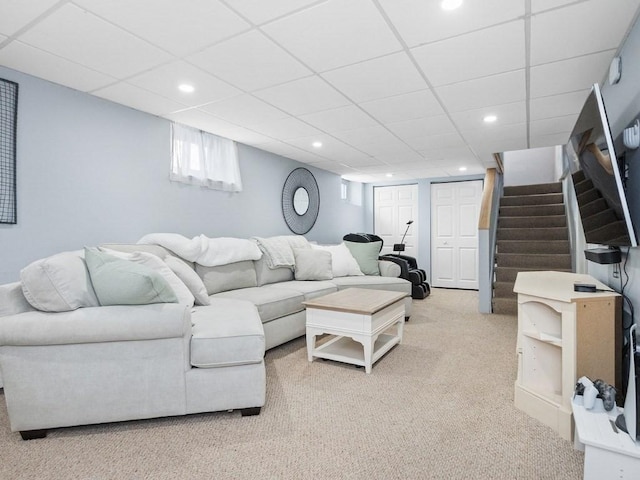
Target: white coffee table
353,315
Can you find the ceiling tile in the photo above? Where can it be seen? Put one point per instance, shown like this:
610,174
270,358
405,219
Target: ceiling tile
339,119
560,34
244,110
483,92
442,61
306,95
422,127
331,147
400,154
250,61
538,6
289,151
557,105
162,22
335,33
164,81
506,114
366,136
138,98
434,142
86,39
208,123
569,75
16,14
34,61
550,140
404,107
420,21
555,125
286,128
379,78
259,11
498,137
469,170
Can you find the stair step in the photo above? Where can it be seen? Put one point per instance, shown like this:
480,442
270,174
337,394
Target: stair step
533,246
589,196
505,306
611,234
537,199
594,207
554,233
600,219
531,210
503,290
583,186
509,274
533,222
540,261
578,176
533,189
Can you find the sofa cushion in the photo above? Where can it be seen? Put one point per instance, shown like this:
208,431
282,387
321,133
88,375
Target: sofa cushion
228,277
342,262
225,333
58,283
310,289
271,302
312,264
190,278
12,300
366,254
183,294
120,282
266,275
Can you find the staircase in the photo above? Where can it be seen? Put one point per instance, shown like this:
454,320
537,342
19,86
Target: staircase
532,235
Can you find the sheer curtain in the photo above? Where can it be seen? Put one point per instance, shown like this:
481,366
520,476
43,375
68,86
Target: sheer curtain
204,159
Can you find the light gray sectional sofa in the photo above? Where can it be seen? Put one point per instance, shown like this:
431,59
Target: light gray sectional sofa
68,359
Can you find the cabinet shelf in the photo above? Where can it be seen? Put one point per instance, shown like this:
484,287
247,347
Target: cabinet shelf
544,337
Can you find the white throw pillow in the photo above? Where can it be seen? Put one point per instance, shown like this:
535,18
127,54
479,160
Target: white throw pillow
342,262
59,283
185,297
312,264
190,278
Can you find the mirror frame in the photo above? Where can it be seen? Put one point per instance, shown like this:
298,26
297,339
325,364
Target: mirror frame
300,223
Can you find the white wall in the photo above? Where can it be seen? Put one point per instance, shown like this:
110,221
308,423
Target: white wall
530,167
91,171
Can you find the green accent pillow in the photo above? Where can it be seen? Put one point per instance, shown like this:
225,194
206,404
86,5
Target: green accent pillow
120,282
366,254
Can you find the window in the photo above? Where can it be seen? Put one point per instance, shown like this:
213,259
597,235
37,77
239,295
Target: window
201,158
344,190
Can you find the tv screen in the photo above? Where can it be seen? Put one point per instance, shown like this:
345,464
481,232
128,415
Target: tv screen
596,177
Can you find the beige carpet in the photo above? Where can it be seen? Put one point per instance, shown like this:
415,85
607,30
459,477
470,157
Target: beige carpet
439,406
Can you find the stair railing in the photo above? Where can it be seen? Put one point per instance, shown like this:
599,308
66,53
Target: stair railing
487,228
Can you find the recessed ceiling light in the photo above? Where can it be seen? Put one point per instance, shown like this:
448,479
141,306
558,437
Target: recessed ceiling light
489,119
316,144
450,4
389,175
463,169
186,88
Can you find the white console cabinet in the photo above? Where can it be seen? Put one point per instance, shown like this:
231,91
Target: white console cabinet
562,336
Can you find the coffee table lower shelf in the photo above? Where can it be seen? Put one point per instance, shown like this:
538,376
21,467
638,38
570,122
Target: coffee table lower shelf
347,350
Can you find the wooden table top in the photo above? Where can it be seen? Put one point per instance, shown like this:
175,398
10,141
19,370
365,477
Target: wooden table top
364,301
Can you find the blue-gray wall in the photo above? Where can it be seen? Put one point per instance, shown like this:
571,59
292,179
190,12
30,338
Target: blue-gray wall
92,171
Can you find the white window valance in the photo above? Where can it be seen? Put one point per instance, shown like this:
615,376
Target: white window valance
204,159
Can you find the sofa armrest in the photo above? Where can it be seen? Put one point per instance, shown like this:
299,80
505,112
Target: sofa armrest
389,269
96,325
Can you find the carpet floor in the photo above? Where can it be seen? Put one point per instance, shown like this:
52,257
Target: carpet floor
438,406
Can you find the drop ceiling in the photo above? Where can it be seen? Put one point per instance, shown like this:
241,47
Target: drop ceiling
388,86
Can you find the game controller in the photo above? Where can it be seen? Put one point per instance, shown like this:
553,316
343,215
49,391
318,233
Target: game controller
590,391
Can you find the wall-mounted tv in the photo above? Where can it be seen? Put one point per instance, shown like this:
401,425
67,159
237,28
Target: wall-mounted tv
596,177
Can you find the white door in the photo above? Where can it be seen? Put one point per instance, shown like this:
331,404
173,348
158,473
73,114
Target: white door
455,207
393,207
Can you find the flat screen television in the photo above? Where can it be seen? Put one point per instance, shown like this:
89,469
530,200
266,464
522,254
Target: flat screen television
596,177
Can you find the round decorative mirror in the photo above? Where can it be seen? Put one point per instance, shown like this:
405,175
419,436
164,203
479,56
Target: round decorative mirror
300,201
